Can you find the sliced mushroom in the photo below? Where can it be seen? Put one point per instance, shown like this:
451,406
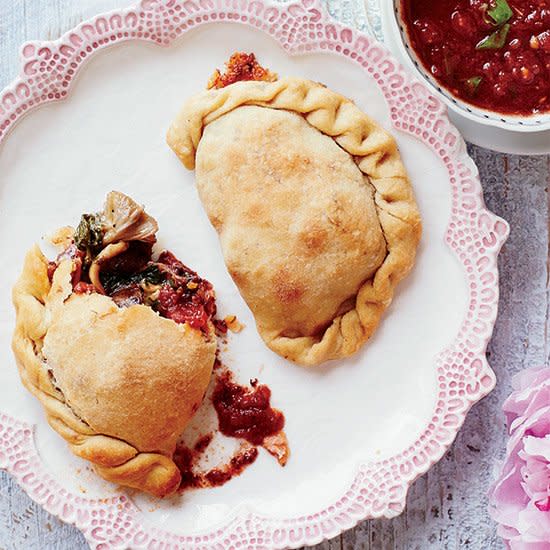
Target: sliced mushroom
125,220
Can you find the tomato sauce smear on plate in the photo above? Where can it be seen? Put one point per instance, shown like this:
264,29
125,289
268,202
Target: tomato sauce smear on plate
494,54
245,413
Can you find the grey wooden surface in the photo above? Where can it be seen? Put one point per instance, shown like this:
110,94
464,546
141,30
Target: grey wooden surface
447,508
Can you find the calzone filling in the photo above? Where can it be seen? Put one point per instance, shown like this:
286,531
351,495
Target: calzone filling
112,254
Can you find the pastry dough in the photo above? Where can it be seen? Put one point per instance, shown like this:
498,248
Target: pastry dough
313,206
119,384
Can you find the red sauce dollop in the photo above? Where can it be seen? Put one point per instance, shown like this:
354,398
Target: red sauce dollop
451,38
52,266
245,412
241,66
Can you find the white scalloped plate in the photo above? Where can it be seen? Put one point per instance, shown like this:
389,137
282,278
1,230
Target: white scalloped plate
360,431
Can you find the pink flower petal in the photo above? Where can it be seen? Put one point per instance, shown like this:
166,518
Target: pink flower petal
538,446
543,505
533,524
526,383
519,499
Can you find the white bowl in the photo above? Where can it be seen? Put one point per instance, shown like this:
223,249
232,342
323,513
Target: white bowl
516,123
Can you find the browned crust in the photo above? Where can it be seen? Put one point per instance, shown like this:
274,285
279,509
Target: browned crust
376,155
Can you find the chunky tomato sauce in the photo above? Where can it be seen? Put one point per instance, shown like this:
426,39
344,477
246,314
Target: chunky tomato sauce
241,66
491,53
184,297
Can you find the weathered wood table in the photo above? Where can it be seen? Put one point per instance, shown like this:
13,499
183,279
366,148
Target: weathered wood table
447,508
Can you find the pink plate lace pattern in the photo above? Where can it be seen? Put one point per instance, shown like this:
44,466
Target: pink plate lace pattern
474,234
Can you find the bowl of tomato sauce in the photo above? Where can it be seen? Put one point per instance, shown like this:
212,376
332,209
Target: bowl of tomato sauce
487,59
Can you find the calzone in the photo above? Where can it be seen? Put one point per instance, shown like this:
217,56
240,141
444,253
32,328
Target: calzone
117,346
313,206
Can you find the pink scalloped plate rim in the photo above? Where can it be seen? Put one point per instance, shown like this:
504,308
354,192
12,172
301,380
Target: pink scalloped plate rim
475,235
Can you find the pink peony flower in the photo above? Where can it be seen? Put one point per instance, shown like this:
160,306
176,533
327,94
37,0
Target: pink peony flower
520,498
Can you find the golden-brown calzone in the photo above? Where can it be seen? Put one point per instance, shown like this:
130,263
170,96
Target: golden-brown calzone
313,206
118,348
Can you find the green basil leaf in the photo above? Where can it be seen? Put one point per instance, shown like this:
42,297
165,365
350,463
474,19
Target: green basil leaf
500,13
113,281
471,84
151,274
89,233
495,40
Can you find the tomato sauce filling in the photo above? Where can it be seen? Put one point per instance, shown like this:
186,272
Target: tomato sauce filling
184,297
491,53
166,285
169,287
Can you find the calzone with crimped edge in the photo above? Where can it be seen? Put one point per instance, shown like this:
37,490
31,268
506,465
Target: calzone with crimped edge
313,206
118,347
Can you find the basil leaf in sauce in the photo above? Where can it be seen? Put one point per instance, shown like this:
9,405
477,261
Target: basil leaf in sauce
471,84
113,281
151,275
495,40
500,13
